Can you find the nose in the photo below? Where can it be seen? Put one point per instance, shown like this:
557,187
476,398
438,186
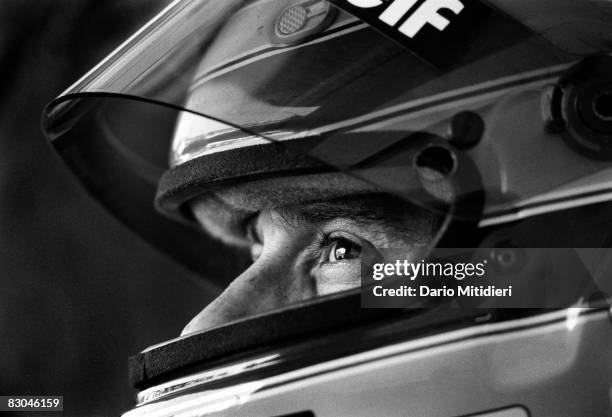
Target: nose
268,284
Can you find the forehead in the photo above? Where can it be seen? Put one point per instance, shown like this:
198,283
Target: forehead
374,213
365,209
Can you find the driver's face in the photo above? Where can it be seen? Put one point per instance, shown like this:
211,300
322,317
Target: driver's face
305,251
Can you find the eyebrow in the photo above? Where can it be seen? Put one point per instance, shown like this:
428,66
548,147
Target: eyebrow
387,212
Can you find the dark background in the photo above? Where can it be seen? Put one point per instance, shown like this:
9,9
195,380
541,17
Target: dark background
78,292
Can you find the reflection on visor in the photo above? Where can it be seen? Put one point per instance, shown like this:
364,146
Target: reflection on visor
196,135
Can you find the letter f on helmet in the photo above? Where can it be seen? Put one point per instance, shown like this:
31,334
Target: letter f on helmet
429,13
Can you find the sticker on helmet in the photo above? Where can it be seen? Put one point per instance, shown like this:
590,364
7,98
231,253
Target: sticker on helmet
444,33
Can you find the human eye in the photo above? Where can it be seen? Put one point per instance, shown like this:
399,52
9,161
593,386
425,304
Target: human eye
340,263
339,249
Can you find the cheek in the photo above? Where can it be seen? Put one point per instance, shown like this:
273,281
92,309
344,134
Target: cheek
338,276
283,271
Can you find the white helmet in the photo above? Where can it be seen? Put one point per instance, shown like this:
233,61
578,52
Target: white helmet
493,116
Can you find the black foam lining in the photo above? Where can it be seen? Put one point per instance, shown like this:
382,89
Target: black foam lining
169,360
208,172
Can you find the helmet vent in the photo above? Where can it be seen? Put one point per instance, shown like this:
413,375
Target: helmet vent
602,106
292,20
435,163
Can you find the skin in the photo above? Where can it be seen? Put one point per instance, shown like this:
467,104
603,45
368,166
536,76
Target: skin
301,252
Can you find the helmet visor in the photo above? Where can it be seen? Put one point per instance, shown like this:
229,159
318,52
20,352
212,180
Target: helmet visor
516,122
479,127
